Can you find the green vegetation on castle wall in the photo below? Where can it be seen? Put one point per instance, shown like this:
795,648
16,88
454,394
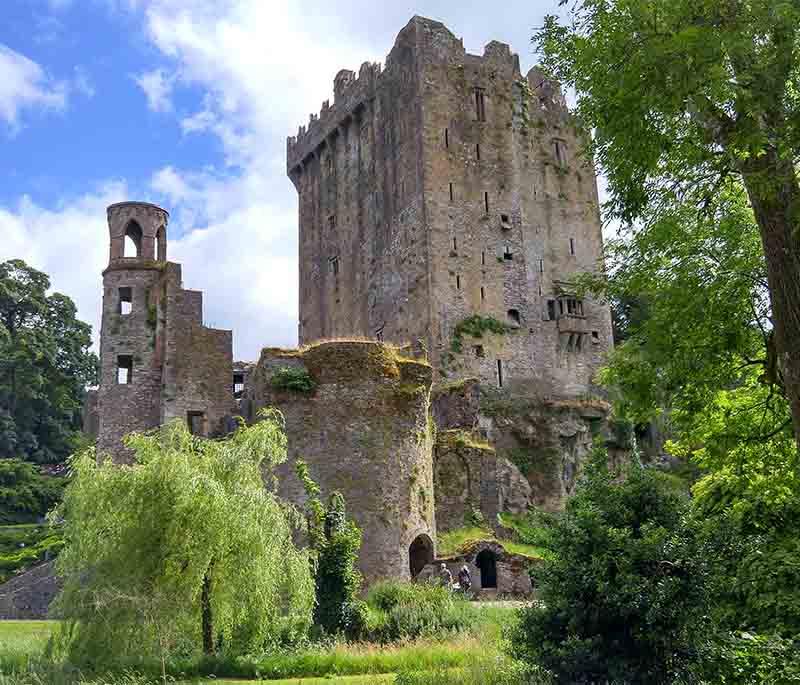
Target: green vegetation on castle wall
475,326
293,379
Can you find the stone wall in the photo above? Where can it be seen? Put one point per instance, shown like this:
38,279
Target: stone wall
28,595
363,431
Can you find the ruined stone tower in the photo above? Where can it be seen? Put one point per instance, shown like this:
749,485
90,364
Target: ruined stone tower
443,188
157,360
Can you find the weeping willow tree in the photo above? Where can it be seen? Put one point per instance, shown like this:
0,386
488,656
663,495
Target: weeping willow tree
181,551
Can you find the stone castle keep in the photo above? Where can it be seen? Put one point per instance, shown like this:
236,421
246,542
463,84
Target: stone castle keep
443,210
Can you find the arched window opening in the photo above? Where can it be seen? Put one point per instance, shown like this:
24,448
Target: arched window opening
486,561
161,244
420,554
133,240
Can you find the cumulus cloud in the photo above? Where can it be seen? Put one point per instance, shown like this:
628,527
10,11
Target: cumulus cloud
24,84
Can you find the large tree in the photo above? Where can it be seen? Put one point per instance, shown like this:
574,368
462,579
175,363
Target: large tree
45,366
683,97
185,550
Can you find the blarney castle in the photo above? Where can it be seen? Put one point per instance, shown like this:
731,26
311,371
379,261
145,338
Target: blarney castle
444,209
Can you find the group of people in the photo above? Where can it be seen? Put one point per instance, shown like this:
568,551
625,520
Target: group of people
464,580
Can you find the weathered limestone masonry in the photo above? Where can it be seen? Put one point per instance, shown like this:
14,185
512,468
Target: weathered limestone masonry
363,430
158,362
444,186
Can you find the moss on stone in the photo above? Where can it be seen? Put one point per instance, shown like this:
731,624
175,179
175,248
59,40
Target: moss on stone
460,438
453,386
475,326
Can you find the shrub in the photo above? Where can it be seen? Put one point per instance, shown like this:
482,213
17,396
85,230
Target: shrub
293,379
25,494
624,591
746,659
401,611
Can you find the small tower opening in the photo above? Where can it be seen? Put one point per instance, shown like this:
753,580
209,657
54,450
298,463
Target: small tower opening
124,369
125,301
161,244
133,240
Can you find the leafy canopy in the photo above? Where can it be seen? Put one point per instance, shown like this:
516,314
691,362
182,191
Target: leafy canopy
186,534
45,366
623,588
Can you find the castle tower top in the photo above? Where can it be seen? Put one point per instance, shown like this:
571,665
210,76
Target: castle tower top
138,230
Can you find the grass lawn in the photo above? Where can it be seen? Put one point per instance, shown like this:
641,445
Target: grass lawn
457,541
26,637
371,679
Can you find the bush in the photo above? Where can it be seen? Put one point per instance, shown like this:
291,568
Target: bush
748,659
624,592
400,611
293,379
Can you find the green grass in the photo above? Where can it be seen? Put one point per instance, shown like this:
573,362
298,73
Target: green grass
460,540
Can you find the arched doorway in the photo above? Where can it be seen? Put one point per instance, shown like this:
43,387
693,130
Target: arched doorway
420,553
486,561
132,242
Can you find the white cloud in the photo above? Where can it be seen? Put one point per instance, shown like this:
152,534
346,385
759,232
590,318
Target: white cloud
69,243
24,84
157,86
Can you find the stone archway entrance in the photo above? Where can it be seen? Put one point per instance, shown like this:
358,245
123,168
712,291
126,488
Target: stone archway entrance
486,561
420,553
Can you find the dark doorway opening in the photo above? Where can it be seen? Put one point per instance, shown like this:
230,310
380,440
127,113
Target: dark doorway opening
486,561
420,553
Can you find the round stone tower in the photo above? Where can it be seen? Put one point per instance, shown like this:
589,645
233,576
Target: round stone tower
130,346
363,429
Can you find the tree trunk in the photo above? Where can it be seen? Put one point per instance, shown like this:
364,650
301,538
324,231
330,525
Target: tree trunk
205,610
775,197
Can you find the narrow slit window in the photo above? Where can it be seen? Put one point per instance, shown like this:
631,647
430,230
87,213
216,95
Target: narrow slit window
332,222
486,202
446,138
452,194
483,258
499,373
124,369
478,152
541,266
560,152
458,282
572,246
125,301
483,294
196,420
333,264
480,104
455,243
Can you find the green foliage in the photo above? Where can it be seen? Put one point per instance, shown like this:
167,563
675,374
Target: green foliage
293,379
623,592
402,611
25,494
497,671
475,326
748,659
460,540
336,541
45,366
23,546
187,536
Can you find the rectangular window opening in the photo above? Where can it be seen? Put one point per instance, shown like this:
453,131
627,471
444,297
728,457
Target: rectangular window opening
551,310
333,264
479,352
478,152
124,369
196,421
332,222
125,301
452,194
560,152
238,385
596,336
499,373
508,255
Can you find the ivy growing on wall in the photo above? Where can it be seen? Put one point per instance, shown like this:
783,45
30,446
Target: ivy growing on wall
293,379
475,326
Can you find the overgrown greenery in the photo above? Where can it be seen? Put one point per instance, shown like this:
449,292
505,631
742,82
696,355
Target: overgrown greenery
624,591
336,541
694,107
23,546
45,366
294,379
475,326
181,551
25,494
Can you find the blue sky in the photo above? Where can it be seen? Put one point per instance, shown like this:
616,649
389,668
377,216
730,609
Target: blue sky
187,103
